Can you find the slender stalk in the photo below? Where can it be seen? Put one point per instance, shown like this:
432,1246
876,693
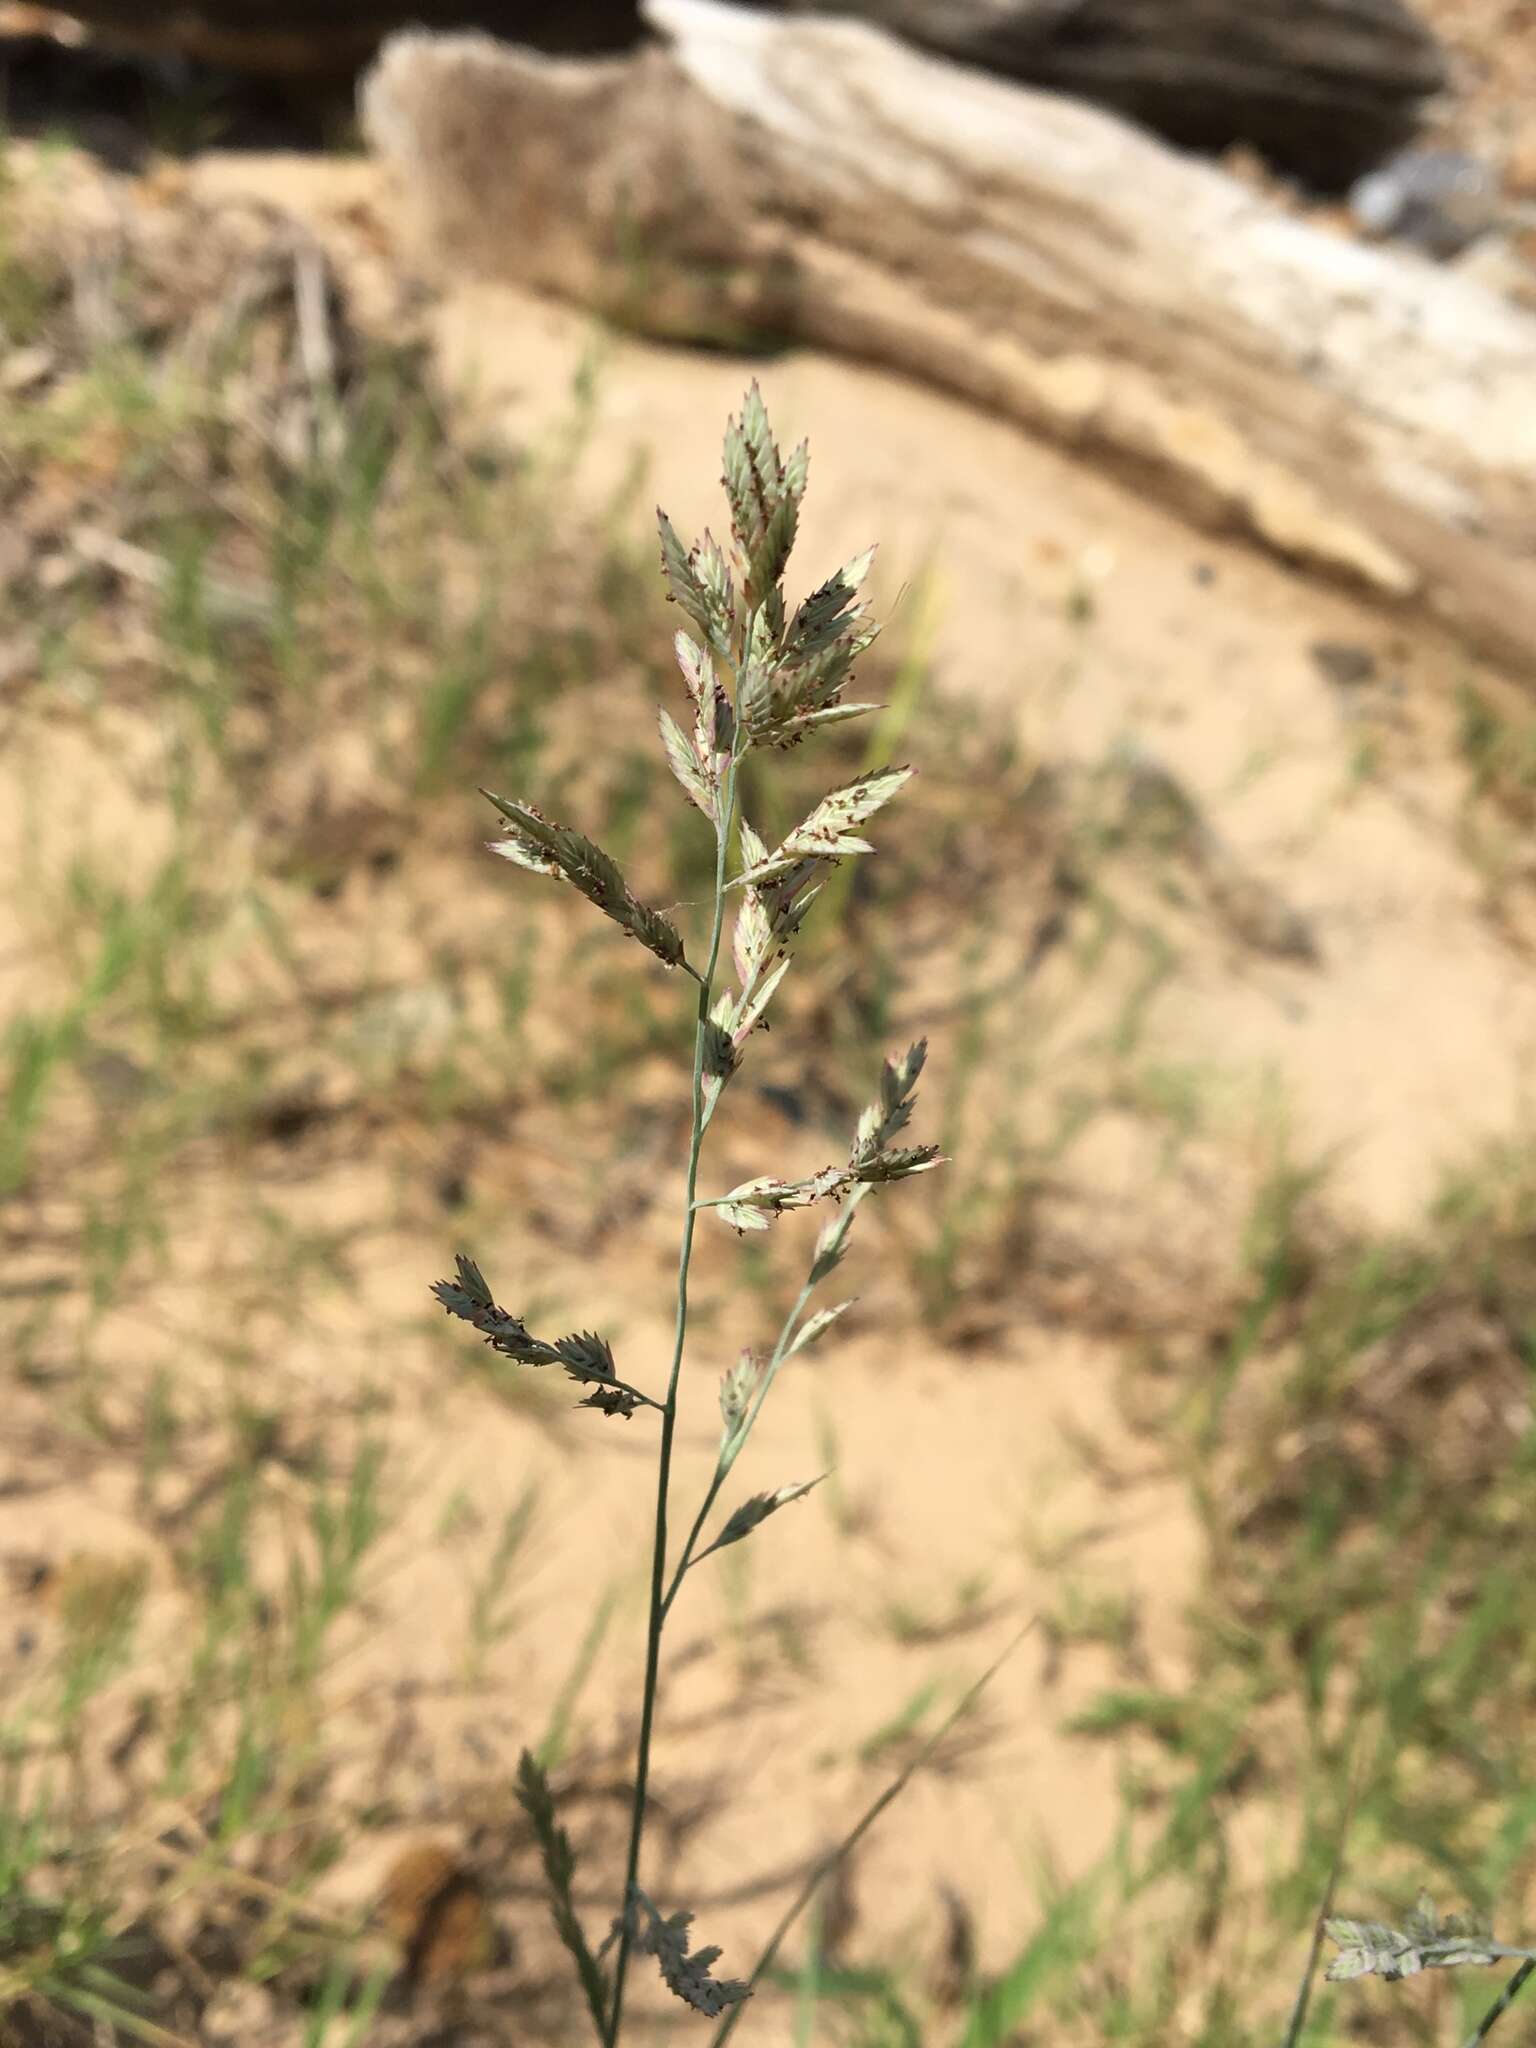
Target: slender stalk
732,1451
669,1412
1298,2018
1501,2004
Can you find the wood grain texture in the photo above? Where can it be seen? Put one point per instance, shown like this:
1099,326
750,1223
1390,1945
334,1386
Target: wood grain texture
1324,88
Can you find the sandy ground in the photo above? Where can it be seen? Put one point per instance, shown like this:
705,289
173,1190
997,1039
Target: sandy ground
1341,979
1101,624
1198,657
1195,653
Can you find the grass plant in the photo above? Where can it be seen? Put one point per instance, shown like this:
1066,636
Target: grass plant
759,678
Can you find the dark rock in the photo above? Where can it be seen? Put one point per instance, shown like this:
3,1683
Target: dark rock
1344,663
1438,199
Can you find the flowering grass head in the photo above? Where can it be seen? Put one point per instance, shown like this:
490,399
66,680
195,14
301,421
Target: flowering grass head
756,677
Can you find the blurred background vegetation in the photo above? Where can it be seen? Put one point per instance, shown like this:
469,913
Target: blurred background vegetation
291,1573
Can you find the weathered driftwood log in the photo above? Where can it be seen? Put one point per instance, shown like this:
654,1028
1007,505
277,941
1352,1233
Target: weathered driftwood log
1325,87
1353,408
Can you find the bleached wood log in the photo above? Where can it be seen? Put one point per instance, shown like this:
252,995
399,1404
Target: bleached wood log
1356,409
1324,88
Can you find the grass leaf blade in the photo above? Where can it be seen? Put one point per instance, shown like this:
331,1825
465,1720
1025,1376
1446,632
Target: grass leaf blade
537,1802
861,1828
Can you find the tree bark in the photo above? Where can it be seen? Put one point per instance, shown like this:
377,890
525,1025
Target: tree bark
1354,409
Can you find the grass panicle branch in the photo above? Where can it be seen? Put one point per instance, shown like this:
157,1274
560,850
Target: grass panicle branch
1425,1941
687,1976
585,1356
532,842
1368,1948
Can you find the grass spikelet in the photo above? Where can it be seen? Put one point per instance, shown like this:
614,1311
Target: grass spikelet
686,1975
